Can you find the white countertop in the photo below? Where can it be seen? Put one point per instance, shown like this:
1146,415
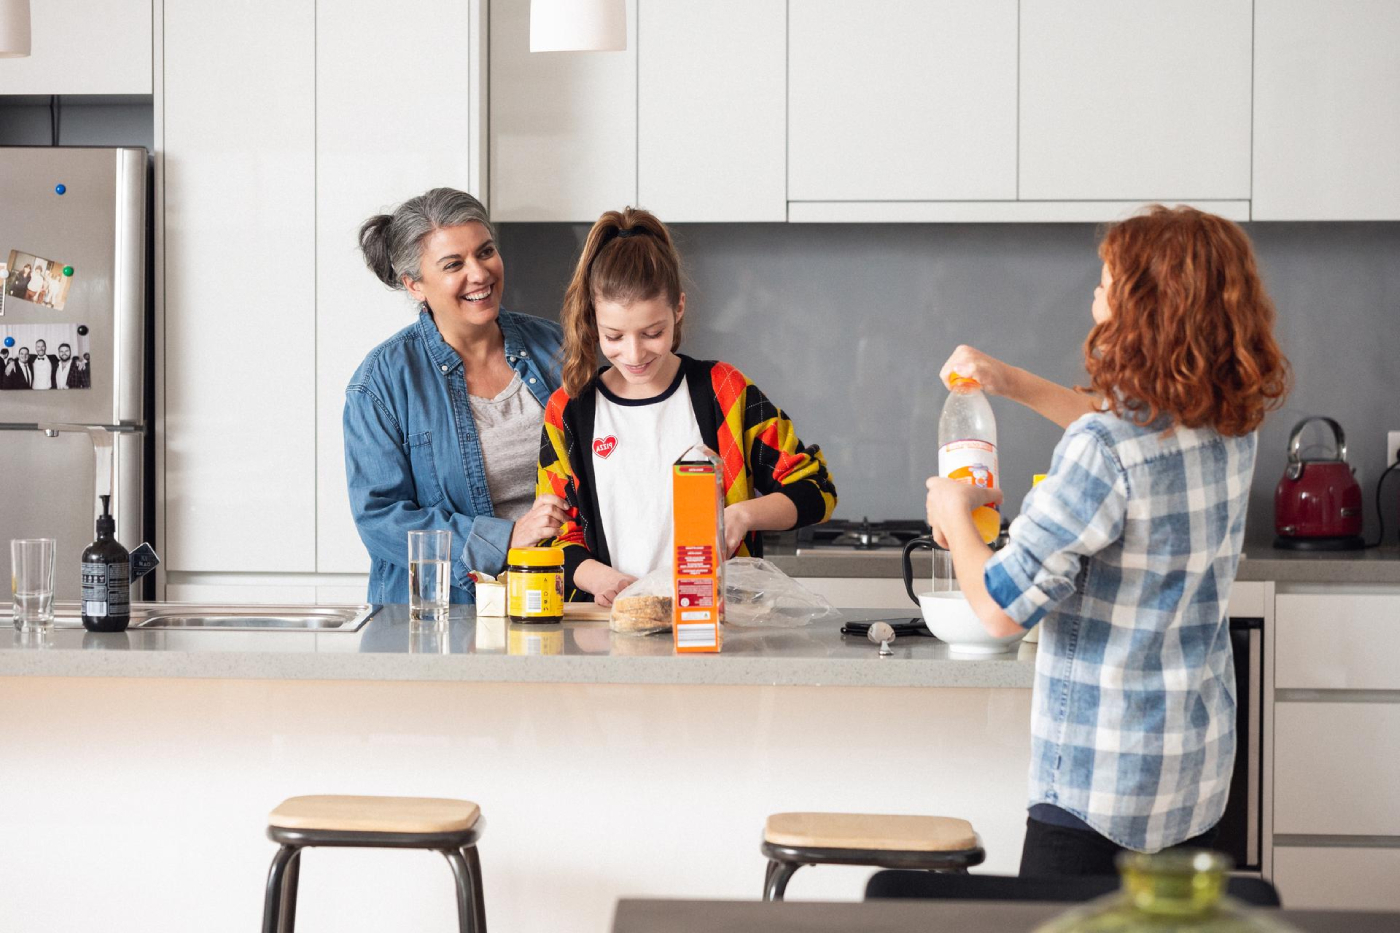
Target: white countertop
495,651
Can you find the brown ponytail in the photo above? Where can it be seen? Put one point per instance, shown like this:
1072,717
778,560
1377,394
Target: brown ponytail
628,256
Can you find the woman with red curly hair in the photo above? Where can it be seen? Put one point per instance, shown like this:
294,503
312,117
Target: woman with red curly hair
1126,552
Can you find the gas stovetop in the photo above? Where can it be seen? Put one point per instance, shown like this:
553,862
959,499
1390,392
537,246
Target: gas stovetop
863,535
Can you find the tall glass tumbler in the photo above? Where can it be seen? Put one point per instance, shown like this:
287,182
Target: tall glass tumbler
32,560
429,577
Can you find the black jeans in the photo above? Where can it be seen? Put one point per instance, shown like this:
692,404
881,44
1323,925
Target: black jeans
1059,850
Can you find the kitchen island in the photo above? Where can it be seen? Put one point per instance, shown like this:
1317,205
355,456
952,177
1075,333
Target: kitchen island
142,765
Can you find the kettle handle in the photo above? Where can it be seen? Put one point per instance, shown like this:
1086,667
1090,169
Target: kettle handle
1339,438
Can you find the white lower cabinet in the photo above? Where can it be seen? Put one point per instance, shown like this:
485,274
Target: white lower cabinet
1335,767
1337,877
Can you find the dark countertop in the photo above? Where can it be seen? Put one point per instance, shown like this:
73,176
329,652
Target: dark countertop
906,916
1260,564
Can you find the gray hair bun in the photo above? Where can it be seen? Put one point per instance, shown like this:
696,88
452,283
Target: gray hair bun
392,244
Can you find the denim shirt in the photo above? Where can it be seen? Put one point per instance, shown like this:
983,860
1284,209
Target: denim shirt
413,460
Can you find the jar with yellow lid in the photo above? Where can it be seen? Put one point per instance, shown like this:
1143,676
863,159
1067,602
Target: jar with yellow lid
535,584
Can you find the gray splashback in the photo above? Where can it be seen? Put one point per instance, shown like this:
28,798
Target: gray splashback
846,326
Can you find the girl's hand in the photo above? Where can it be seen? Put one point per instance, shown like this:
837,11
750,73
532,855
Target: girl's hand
607,592
541,523
994,375
737,524
950,502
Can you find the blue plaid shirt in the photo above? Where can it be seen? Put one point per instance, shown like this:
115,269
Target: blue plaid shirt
1125,554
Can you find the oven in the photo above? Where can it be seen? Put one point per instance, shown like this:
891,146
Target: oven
1240,829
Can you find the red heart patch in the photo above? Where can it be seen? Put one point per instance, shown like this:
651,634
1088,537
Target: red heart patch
604,446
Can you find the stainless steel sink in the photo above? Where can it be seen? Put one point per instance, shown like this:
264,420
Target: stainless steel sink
197,617
255,618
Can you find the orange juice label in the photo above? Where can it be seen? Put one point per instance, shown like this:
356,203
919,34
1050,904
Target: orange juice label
972,462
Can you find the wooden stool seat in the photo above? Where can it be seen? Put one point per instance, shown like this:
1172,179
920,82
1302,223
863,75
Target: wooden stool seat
870,831
375,814
451,827
929,843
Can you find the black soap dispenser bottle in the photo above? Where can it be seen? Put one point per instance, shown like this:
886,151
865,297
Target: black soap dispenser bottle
106,578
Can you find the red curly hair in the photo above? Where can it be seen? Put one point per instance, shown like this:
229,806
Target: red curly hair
1190,333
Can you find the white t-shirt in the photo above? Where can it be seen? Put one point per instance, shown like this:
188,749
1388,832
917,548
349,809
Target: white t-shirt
635,442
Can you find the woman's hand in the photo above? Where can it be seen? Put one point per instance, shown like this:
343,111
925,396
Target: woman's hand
994,376
950,501
541,523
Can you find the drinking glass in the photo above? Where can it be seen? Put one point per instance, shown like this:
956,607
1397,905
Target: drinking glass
429,576
32,562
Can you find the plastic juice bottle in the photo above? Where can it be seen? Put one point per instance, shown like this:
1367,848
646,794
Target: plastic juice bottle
967,447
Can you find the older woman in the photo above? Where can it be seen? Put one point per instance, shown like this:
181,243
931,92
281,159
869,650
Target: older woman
443,420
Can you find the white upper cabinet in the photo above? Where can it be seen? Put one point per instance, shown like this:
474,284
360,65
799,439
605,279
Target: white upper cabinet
898,101
712,109
377,146
1326,110
240,285
1148,100
563,124
84,47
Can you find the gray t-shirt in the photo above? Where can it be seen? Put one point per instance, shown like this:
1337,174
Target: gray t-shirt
509,428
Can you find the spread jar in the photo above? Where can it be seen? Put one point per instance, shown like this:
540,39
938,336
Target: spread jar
535,584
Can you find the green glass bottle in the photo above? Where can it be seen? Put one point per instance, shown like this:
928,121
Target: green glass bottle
1176,891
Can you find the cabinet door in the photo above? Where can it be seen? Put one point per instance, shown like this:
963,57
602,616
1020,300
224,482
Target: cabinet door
1142,101
83,47
240,327
563,124
891,101
711,109
376,146
1326,119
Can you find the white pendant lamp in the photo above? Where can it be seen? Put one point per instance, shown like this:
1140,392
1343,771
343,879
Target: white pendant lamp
14,28
576,25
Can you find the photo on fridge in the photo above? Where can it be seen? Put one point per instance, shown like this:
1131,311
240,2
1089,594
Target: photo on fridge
45,356
42,281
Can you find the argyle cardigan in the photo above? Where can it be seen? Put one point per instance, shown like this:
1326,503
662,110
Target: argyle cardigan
756,442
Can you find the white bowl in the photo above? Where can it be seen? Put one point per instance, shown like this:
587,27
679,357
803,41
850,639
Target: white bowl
951,619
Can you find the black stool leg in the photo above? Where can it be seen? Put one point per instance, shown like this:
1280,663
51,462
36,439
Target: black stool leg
272,903
778,875
289,894
478,895
471,906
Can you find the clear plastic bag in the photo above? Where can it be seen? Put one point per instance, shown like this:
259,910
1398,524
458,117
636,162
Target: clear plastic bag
759,595
756,595
644,608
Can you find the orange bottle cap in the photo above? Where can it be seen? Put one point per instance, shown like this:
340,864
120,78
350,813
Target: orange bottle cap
954,380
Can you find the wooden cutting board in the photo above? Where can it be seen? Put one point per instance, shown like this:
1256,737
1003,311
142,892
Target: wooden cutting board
585,612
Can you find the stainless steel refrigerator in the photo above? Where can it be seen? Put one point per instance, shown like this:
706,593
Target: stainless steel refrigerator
73,242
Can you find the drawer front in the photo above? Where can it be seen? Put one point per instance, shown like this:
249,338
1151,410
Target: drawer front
1335,767
1337,642
1326,878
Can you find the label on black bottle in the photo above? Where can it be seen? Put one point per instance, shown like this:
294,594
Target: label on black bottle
106,590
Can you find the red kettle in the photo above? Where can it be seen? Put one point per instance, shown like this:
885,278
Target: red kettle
1317,504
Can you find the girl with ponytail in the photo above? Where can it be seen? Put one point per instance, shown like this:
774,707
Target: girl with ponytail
610,436
442,420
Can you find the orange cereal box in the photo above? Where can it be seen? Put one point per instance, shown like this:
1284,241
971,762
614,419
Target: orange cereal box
697,507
